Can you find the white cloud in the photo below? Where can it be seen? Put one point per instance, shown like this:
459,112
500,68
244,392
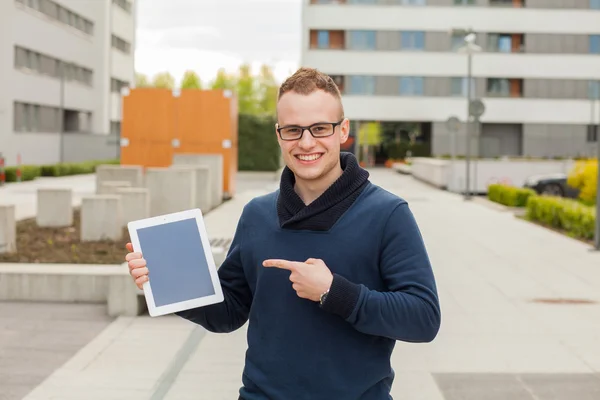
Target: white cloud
205,35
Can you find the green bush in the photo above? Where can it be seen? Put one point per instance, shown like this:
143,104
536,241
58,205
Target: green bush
258,149
30,172
577,219
510,196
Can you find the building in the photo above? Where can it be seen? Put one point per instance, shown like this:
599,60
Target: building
62,63
398,62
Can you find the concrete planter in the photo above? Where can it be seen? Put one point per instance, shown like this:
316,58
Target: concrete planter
451,175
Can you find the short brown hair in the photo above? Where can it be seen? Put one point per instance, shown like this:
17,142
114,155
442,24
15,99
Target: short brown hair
307,80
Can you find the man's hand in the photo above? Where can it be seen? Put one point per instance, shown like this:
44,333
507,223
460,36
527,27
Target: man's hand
310,279
137,266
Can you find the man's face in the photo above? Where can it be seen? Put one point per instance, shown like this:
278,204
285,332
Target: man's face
311,158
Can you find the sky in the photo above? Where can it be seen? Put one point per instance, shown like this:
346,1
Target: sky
205,35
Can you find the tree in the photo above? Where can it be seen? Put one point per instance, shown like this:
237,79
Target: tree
246,90
164,81
223,81
191,80
141,80
268,89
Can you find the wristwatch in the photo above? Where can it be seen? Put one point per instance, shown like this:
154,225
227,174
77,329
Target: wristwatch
323,298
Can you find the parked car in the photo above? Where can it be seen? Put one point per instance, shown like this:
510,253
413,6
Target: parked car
551,185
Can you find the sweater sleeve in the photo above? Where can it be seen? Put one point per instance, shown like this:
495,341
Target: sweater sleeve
232,313
409,309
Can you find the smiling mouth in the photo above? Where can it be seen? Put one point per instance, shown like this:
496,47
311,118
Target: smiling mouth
308,157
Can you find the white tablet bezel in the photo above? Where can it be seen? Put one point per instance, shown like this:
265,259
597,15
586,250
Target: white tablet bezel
196,214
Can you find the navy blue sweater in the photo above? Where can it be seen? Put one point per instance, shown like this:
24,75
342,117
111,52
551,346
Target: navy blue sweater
383,291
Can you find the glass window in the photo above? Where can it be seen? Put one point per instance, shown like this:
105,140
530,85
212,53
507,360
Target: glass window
361,84
362,40
595,44
595,4
411,85
413,40
498,87
464,2
504,44
458,87
594,89
323,39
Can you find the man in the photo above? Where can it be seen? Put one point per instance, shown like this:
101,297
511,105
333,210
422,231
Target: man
330,270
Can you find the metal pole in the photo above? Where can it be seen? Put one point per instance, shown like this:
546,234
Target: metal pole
62,111
468,128
597,235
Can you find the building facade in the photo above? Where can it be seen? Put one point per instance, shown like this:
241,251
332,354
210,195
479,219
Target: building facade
62,64
398,61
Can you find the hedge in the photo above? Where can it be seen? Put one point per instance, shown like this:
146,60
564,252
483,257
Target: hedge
510,196
30,172
584,177
571,216
258,147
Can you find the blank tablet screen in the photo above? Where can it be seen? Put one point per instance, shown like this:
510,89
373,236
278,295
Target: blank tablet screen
176,262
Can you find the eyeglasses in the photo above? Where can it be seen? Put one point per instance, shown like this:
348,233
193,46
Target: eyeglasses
318,130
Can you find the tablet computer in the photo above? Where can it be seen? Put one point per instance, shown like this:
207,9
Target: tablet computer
181,268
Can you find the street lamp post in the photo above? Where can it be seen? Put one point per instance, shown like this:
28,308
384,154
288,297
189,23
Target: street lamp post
469,47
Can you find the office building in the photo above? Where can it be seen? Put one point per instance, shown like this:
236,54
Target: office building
399,62
62,64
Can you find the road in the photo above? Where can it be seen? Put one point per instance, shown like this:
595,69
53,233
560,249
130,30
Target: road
520,319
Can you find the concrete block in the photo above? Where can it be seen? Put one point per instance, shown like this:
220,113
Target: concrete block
8,229
215,163
111,187
134,174
123,297
204,200
54,207
135,204
171,190
101,218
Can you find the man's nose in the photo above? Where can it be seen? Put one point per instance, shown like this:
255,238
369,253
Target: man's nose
307,139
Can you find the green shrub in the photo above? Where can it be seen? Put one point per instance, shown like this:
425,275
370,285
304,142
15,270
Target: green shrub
510,196
258,149
577,219
30,172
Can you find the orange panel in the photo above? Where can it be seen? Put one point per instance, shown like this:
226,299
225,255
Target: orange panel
204,122
148,121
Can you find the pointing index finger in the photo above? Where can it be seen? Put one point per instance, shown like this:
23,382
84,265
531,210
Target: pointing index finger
283,264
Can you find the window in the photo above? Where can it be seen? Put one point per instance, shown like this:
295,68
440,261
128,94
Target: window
504,87
33,61
413,2
458,87
116,85
595,44
592,133
36,118
364,85
507,3
115,128
362,40
594,89
595,4
120,44
413,40
124,4
61,14
323,39
411,86
464,2
457,41
505,42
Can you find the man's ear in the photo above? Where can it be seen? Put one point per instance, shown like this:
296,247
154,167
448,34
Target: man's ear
344,130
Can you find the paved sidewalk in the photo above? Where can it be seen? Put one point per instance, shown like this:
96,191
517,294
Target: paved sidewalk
496,341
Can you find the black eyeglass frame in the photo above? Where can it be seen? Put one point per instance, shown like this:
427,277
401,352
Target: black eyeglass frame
309,128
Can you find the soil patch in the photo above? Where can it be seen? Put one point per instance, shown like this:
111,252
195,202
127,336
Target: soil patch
63,245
